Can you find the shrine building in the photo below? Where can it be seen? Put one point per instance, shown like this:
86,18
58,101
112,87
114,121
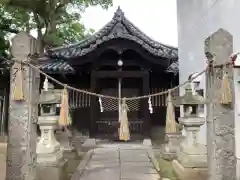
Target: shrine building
118,60
118,51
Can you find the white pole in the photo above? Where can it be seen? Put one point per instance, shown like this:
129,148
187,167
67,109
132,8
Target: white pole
119,96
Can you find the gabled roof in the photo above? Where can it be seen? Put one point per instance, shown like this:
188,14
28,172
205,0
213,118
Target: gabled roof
173,68
118,27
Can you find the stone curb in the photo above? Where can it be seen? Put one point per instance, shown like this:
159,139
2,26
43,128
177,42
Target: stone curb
154,161
79,171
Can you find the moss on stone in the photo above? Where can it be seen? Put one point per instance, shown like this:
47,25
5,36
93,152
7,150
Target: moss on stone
166,170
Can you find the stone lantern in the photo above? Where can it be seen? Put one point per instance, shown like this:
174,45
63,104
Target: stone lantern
191,153
48,148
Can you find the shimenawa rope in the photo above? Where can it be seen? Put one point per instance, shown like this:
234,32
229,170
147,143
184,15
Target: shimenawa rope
105,96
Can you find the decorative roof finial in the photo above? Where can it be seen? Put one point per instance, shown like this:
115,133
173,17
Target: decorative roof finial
119,14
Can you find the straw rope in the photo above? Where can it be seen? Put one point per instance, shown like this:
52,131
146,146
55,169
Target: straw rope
106,96
210,64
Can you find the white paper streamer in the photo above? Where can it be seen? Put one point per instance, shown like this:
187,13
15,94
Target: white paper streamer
100,103
150,105
45,84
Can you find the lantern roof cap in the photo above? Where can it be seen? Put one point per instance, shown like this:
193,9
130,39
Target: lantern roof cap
189,98
49,97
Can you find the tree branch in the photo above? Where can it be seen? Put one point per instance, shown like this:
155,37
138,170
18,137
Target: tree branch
7,28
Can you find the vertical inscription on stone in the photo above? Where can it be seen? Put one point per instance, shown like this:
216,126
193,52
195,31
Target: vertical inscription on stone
21,153
220,118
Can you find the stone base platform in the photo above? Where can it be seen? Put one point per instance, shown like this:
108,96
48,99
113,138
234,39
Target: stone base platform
169,156
171,146
189,173
52,171
195,156
51,157
73,161
88,144
70,154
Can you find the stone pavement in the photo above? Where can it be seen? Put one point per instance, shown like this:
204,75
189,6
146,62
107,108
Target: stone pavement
120,163
3,149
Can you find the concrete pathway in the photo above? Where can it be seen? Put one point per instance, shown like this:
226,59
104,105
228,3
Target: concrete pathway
120,162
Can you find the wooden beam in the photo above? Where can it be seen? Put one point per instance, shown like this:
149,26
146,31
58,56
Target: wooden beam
93,115
117,74
146,117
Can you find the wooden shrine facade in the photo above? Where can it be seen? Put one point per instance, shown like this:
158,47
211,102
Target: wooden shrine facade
92,65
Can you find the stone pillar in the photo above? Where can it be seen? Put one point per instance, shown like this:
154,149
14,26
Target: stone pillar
220,118
23,115
237,112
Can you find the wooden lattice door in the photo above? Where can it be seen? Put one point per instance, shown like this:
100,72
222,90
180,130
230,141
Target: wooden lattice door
108,122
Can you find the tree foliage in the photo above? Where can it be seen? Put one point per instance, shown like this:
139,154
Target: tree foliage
57,22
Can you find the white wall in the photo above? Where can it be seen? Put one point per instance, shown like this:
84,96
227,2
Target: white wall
197,19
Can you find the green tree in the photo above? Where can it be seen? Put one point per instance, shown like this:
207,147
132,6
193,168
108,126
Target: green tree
57,22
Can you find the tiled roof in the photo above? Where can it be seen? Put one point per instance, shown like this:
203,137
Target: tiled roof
173,68
118,28
57,67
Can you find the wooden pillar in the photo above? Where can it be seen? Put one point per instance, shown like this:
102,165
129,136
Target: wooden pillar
146,116
23,115
220,118
93,106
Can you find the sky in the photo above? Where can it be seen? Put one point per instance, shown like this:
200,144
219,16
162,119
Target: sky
156,18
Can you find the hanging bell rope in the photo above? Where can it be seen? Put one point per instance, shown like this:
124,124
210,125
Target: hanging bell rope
124,132
64,118
226,92
18,92
171,125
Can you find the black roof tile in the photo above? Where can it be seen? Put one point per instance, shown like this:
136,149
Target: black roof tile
118,27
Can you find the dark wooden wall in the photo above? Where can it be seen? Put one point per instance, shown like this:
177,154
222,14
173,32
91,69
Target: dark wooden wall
107,61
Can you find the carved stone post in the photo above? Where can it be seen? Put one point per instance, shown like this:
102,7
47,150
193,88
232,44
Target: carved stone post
23,115
220,118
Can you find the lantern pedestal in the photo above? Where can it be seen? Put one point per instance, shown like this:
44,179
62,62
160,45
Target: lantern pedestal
171,146
191,153
48,149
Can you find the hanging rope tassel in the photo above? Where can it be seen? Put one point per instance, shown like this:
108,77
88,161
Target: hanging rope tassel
18,92
124,132
64,118
226,93
171,125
